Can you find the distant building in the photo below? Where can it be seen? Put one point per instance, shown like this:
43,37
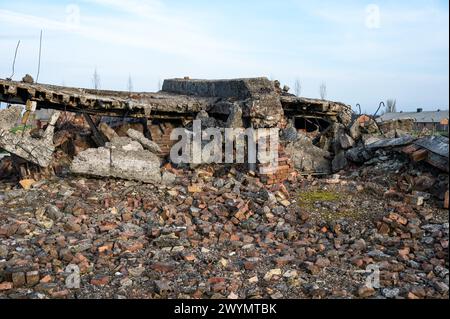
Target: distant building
432,120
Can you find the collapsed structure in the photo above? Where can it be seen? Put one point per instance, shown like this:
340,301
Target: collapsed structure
255,103
214,231
127,135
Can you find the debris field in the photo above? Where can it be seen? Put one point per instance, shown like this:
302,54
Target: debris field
92,188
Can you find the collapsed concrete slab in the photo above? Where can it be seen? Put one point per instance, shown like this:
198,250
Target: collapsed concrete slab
35,150
430,149
390,142
234,88
435,144
308,158
10,116
264,110
119,159
102,102
434,150
258,98
145,142
125,144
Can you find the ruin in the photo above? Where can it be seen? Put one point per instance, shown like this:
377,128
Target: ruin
92,185
128,135
246,103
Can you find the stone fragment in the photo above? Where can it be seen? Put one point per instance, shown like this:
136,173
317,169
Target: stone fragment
100,280
168,178
18,279
32,278
53,212
27,183
366,292
391,293
6,286
107,131
322,262
146,143
271,273
162,286
307,157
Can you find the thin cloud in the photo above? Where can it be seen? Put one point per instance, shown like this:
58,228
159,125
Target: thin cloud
328,42
145,29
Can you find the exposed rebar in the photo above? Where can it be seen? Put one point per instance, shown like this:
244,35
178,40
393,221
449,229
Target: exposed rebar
14,61
39,61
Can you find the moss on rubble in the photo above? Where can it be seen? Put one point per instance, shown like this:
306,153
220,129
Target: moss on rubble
20,128
312,200
309,198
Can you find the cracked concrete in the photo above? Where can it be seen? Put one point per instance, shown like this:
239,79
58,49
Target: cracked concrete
121,158
36,150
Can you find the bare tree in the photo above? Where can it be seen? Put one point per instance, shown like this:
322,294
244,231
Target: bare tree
391,106
96,80
130,84
298,87
323,90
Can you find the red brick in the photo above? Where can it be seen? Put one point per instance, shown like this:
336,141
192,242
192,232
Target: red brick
100,280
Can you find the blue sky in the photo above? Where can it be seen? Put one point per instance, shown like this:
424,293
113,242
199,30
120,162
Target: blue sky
365,51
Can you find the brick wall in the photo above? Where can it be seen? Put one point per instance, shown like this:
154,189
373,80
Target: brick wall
160,132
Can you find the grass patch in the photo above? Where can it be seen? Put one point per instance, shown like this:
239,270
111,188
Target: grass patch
20,128
309,198
345,214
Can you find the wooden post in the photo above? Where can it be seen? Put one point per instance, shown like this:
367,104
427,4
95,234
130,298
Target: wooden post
96,136
446,200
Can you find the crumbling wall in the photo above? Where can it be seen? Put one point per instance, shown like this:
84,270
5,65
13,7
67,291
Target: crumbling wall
160,134
397,126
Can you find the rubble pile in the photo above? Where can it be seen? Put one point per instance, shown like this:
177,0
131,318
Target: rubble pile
219,237
93,194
